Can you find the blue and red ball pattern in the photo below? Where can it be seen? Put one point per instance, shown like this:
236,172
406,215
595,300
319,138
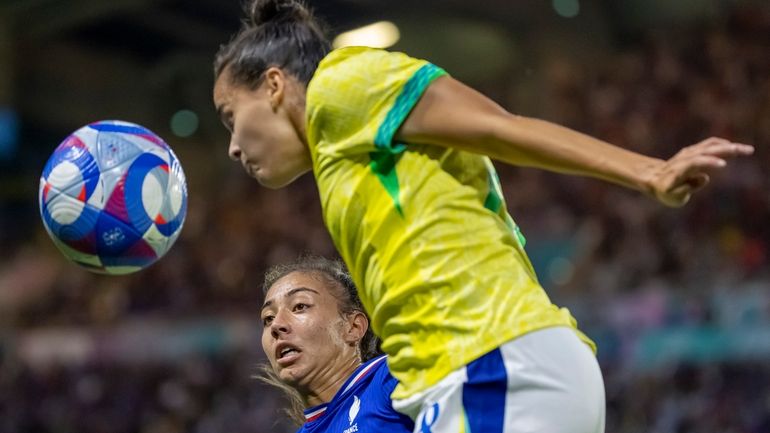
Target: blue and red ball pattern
113,197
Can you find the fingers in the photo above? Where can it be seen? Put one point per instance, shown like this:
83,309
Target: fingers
681,193
688,171
697,163
678,196
719,147
686,176
711,154
697,182
727,150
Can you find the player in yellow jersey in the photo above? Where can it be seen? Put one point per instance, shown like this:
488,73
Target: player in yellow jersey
416,212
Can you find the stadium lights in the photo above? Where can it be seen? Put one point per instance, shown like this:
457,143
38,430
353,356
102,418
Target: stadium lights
382,34
184,123
566,8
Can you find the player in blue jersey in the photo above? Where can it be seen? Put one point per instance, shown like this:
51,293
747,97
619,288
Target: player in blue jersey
322,352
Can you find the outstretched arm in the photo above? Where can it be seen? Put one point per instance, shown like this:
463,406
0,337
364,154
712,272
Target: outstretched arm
454,115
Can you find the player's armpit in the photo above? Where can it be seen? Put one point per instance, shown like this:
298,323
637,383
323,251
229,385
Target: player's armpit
452,114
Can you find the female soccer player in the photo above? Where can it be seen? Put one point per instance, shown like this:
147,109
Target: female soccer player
400,153
322,352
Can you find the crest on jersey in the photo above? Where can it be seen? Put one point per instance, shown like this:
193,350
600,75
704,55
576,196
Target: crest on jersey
354,408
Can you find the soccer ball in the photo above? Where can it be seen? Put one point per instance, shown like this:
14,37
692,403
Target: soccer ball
113,197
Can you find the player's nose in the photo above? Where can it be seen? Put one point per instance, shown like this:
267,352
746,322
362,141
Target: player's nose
279,326
234,151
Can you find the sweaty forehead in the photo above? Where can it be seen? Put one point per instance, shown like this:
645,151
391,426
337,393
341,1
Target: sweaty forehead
288,284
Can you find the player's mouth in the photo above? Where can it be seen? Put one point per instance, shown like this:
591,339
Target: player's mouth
254,171
286,354
249,168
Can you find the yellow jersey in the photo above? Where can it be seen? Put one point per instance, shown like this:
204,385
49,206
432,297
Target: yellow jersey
439,263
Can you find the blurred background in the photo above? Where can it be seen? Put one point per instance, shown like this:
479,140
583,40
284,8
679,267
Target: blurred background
677,300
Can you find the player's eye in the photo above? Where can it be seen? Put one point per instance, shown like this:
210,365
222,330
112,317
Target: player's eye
228,123
301,307
267,320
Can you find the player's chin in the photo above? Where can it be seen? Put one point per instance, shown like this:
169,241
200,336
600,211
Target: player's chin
270,183
273,180
291,375
264,177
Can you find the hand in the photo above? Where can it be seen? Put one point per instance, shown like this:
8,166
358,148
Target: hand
674,181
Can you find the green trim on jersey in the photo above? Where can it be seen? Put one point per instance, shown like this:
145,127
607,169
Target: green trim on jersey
494,202
384,167
517,232
406,100
384,160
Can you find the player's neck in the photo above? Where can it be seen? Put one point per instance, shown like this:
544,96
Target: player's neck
297,116
330,382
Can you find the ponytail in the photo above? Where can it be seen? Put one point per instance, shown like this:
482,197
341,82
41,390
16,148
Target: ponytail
261,12
279,33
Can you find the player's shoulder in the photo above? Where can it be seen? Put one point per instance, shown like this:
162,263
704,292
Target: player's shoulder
372,372
380,367
343,65
381,379
347,57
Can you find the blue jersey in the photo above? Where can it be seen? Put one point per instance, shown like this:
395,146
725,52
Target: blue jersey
361,405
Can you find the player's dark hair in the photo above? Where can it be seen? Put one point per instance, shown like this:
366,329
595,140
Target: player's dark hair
280,33
341,286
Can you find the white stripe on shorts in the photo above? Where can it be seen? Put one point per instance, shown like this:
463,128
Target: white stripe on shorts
553,384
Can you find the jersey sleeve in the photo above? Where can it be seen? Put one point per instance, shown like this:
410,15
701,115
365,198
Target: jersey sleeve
359,97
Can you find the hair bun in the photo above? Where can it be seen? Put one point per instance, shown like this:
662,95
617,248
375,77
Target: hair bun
261,12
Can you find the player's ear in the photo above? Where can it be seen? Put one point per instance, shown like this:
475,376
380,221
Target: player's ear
357,325
275,85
